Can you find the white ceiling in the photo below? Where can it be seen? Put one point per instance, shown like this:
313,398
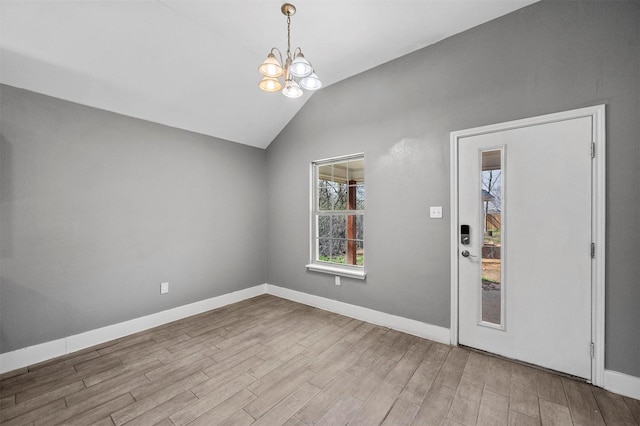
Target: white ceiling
194,64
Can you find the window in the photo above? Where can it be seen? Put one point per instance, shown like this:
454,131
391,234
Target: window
337,217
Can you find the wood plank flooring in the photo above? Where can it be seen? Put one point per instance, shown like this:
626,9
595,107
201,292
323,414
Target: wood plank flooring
269,361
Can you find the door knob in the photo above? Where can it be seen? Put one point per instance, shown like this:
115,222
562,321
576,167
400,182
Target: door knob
465,253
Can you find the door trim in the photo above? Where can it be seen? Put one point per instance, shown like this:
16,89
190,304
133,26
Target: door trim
597,114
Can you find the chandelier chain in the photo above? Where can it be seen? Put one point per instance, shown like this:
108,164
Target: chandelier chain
288,35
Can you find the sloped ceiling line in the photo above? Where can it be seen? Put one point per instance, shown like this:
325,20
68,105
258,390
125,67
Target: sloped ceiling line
193,65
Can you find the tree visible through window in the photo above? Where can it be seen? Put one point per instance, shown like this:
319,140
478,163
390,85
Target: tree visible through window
339,211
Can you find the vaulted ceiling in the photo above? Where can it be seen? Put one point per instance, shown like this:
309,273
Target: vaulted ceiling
193,64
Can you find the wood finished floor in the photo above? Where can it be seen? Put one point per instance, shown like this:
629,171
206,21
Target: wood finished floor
269,361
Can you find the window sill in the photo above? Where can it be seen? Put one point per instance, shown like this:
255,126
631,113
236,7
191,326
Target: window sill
359,274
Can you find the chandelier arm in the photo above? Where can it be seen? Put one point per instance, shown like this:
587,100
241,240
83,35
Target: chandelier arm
276,50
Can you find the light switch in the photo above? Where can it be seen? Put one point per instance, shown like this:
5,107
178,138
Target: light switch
435,212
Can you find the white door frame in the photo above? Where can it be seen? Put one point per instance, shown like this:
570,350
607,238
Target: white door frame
597,114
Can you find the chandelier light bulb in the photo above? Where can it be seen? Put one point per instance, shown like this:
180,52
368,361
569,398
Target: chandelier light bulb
311,82
270,84
300,67
292,89
271,67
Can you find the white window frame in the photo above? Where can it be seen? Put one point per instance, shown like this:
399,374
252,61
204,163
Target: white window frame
350,271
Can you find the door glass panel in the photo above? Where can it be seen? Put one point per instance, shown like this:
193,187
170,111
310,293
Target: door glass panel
492,282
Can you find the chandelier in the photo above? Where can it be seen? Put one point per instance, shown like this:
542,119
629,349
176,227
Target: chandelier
297,72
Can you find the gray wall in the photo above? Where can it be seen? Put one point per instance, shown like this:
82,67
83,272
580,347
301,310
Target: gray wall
549,57
98,209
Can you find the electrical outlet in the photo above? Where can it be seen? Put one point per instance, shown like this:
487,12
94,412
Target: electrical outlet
164,288
435,212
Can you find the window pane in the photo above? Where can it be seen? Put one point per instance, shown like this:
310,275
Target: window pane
492,285
340,172
360,227
351,231
359,197
341,195
324,195
325,172
339,226
328,194
360,253
338,251
324,249
324,226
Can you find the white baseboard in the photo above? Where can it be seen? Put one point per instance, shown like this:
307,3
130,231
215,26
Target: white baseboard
30,355
406,325
619,383
25,357
42,352
622,384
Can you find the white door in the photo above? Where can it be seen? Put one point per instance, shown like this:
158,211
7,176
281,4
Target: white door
524,274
